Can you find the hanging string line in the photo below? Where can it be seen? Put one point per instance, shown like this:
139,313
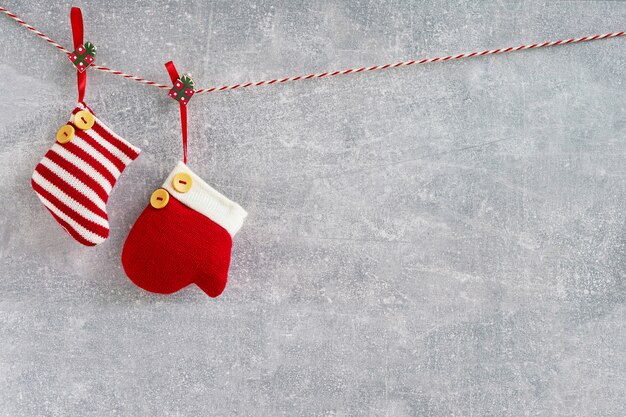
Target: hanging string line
62,49
32,29
323,74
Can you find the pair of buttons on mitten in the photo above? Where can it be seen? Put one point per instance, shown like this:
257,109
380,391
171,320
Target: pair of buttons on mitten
183,236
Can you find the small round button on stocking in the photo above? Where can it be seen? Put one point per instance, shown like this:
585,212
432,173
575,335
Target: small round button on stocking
84,120
159,198
182,182
65,134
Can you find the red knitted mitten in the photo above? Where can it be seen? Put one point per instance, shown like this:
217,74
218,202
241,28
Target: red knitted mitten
183,236
76,176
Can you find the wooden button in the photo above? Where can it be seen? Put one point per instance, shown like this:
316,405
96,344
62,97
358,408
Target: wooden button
159,198
65,134
182,182
84,120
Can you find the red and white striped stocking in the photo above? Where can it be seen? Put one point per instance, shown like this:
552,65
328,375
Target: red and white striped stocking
76,176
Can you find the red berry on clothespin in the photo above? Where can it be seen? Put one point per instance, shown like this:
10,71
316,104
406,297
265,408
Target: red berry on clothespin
83,56
183,89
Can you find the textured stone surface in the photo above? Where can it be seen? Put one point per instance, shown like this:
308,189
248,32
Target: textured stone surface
448,240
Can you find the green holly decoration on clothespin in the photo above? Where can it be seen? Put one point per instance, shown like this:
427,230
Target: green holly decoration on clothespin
83,56
183,89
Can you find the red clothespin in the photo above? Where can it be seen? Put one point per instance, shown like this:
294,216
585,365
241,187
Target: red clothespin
181,92
183,89
84,53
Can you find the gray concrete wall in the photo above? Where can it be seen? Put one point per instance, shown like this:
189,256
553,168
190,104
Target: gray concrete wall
444,240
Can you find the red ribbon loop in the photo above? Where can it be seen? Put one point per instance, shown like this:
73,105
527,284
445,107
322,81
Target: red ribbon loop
76,19
171,70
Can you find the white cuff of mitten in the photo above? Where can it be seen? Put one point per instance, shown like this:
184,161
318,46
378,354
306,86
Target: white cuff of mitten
207,201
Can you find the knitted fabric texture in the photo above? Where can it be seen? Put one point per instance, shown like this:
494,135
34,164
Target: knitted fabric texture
74,179
187,241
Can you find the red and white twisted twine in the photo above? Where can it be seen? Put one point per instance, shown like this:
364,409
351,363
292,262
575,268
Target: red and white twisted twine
32,29
324,74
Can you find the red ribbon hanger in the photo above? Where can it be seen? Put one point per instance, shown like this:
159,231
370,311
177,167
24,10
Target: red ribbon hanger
76,19
171,70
